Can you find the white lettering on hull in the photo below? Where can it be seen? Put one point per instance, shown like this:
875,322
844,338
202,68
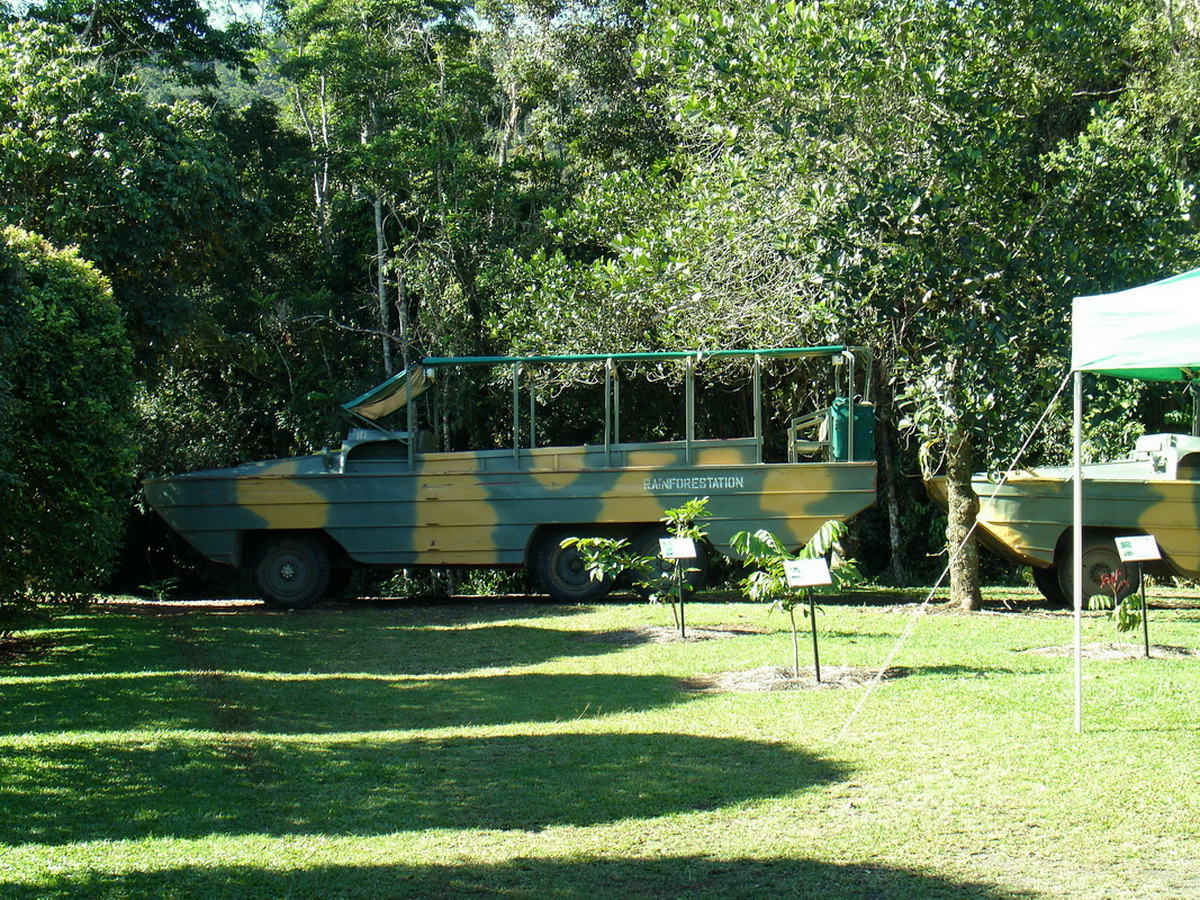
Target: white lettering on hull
694,483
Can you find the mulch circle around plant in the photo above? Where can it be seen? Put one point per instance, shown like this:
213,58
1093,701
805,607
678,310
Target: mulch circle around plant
661,634
767,678
781,678
1118,651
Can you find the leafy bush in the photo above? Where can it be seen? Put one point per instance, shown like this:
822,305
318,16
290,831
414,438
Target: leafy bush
65,393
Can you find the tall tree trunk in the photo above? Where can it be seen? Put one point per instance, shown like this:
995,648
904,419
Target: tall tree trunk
963,505
318,139
404,324
887,475
508,132
381,287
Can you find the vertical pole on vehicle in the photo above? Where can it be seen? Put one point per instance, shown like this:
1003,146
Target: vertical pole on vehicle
516,411
690,401
411,418
437,409
850,423
758,423
616,403
532,411
608,410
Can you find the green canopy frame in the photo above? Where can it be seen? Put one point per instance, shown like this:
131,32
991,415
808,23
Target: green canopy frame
402,388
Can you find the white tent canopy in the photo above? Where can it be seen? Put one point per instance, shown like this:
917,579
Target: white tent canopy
1150,333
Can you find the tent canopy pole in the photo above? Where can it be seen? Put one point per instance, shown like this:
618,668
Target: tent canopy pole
1077,544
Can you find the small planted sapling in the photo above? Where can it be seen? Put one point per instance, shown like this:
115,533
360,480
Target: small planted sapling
1128,613
768,582
651,575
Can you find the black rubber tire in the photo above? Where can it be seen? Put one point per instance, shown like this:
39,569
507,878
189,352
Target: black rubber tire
1046,581
645,543
291,571
561,570
1099,557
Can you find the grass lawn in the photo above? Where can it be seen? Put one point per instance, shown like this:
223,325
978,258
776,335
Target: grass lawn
498,749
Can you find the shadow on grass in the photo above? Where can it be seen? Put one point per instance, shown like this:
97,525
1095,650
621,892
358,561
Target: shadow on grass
695,878
376,645
194,789
230,702
956,671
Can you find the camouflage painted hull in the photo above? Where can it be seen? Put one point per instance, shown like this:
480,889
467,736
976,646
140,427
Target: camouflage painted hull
1028,519
488,508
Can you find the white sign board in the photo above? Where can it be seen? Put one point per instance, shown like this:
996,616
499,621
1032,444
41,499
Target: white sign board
677,548
806,572
1138,546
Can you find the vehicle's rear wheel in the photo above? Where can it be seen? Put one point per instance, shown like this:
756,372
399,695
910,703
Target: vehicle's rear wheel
645,543
1100,558
291,571
1046,581
562,571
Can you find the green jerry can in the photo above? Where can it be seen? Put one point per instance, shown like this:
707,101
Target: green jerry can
839,430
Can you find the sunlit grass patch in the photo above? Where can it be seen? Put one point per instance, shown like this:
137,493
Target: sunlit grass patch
496,750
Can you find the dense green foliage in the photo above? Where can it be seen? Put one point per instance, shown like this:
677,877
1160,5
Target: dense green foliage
65,396
412,177
172,34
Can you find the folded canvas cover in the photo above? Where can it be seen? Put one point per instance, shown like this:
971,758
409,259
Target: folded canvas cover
392,394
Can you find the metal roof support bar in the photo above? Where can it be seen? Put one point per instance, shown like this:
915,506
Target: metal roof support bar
411,419
850,421
758,419
516,411
690,401
532,410
608,412
616,375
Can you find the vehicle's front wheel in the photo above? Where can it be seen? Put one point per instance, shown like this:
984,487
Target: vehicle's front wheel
1100,558
291,571
562,571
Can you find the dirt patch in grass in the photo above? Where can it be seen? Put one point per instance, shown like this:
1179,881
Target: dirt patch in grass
782,678
661,634
1118,651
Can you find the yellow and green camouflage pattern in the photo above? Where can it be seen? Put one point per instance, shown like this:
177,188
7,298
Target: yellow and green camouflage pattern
377,502
479,509
1156,491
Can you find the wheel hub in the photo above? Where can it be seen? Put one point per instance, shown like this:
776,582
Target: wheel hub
287,572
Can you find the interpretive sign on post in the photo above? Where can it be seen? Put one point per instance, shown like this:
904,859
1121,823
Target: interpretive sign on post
1138,547
806,572
1135,548
677,548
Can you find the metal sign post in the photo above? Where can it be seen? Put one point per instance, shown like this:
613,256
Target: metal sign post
806,573
676,549
1135,548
